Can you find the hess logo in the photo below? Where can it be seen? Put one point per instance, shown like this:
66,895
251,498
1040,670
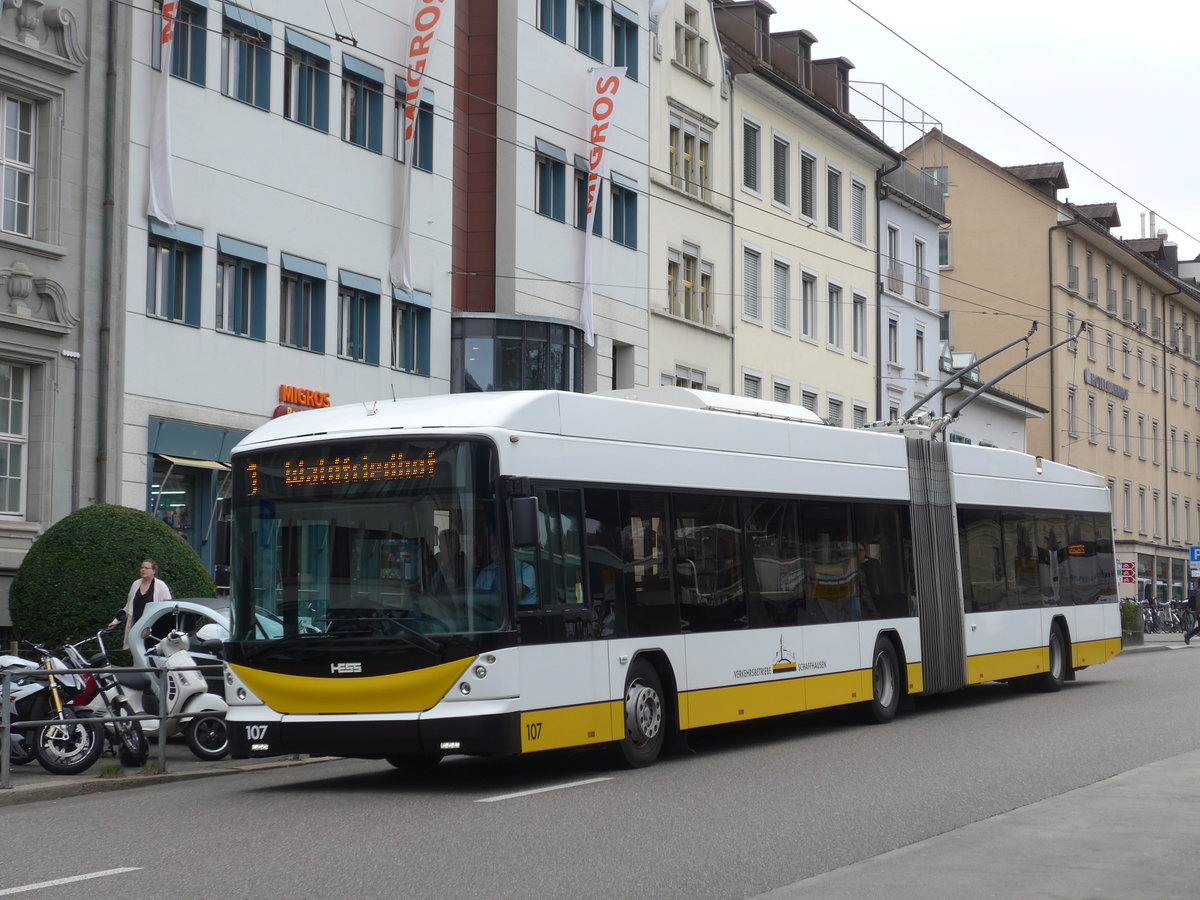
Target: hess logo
345,668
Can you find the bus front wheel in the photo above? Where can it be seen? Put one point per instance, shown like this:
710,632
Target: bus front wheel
885,683
645,717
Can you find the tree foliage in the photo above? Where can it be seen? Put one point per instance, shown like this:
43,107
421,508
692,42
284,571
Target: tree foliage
77,574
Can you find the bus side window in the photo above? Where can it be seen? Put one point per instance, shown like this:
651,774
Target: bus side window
558,557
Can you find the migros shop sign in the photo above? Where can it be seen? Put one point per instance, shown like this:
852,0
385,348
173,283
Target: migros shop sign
291,398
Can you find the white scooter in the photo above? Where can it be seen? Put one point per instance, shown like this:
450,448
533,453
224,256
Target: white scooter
190,708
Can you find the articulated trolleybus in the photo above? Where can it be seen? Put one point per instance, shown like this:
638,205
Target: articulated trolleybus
503,573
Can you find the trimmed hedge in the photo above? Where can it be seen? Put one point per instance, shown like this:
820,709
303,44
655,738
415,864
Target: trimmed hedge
77,575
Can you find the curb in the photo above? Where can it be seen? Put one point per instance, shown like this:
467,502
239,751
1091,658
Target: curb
57,791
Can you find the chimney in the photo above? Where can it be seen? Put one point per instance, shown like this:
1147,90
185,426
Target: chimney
1170,253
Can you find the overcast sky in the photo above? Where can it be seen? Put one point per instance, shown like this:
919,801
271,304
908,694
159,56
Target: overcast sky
1111,88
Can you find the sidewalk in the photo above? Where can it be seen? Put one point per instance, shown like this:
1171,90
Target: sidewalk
31,782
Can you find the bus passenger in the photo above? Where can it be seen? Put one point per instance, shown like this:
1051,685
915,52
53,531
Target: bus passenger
489,576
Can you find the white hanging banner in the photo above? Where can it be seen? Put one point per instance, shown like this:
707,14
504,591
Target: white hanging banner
606,84
161,202
427,15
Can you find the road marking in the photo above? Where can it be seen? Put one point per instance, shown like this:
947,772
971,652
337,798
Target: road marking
58,881
556,787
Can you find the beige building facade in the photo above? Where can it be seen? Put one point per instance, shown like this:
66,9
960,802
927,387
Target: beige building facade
1123,399
806,213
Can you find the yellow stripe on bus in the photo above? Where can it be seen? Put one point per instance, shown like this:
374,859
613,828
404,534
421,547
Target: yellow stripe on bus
1093,653
402,692
571,726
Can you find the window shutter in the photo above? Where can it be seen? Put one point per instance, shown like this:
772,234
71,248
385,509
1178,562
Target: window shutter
858,213
780,171
750,155
750,295
781,319
808,202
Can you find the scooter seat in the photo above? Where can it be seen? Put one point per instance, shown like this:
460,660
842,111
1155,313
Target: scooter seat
138,681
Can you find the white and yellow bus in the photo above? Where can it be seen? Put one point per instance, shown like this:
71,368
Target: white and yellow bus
502,573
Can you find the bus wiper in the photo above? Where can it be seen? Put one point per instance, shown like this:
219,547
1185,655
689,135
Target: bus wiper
413,636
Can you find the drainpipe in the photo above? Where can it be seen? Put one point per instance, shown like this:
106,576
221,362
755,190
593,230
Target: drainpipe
880,191
1053,384
1166,435
105,333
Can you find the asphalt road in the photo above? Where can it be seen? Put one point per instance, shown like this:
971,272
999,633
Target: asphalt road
749,810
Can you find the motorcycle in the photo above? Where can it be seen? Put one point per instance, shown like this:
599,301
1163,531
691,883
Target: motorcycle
105,696
190,708
68,745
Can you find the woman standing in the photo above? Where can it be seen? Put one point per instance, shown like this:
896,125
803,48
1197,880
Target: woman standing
148,587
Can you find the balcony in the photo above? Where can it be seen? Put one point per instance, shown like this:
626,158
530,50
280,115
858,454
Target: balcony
1093,294
1155,324
1112,300
918,185
1073,278
895,278
923,289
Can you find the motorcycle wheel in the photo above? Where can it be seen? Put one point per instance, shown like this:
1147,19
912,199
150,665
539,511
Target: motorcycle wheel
69,746
207,737
132,747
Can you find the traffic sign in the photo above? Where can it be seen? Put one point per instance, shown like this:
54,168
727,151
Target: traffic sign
1195,554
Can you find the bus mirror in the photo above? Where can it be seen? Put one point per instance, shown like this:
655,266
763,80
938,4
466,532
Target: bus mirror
524,521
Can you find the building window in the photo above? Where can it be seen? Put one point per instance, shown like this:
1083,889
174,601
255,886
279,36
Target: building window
246,57
1174,450
551,165
781,391
1141,367
1112,427
410,332
808,399
689,283
834,408
858,212
1110,352
1154,374
589,28
860,416
581,200
1093,426
624,214
893,336
358,318
689,156
919,349
422,128
1125,358
808,185
173,273
1127,506
750,153
691,50
625,44
17,153
241,288
687,377
14,437
552,18
781,305
1072,414
808,306
833,199
1141,436
751,385
751,297
945,260
302,304
1126,433
187,44
306,82
781,154
362,104
1091,342
860,326
834,333
502,354
1155,450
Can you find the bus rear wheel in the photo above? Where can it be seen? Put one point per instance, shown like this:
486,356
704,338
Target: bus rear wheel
885,683
1052,679
645,717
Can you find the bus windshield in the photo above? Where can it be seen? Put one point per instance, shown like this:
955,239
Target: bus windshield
370,538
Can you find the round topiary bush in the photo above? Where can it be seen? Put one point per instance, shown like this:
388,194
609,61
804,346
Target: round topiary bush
77,574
